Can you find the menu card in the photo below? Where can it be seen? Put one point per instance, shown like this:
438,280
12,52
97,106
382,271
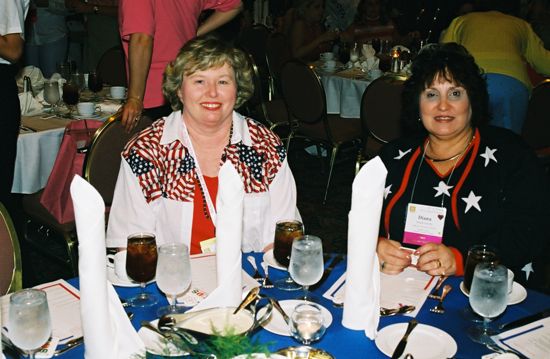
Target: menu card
410,287
64,306
531,340
204,280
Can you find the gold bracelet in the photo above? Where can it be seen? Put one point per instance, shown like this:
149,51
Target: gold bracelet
135,98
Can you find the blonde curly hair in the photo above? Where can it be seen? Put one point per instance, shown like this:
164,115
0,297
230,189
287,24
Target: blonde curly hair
203,53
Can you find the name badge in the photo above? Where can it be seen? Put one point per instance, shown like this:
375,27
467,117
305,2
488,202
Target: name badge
208,245
424,224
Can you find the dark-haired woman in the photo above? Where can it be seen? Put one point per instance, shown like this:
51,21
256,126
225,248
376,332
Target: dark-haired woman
459,182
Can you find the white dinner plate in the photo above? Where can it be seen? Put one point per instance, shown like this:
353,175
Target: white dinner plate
518,295
119,282
270,260
154,343
425,341
277,325
259,356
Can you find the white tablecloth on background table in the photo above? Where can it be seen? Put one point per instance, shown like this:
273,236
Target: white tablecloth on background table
344,95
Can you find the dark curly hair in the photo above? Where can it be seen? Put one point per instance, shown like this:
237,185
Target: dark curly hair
455,64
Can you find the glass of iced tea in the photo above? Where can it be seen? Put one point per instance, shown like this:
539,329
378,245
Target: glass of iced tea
141,264
480,253
286,232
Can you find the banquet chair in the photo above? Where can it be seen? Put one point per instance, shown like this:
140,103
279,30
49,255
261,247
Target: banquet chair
112,67
305,98
277,52
11,278
536,128
272,113
253,40
380,116
101,166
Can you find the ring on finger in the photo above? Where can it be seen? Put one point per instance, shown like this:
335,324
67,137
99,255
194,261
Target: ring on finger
438,264
382,265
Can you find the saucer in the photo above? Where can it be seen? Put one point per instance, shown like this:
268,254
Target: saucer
95,116
270,260
277,325
119,282
425,341
115,98
518,295
157,345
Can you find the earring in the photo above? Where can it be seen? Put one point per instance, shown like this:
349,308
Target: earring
419,119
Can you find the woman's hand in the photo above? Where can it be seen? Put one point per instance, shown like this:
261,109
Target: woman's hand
393,259
436,259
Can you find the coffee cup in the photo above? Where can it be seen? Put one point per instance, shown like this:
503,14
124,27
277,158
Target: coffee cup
325,56
329,65
510,281
118,263
118,92
87,108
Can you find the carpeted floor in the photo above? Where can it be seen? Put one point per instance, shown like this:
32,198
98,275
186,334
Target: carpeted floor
328,221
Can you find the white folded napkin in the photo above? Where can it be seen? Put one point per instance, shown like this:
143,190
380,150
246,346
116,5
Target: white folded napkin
229,228
362,298
29,105
368,51
36,76
107,330
109,106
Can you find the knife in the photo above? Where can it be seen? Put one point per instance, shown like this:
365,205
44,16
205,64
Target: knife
280,309
327,271
525,320
403,342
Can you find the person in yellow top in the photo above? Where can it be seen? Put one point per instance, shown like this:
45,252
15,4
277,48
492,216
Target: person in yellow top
501,44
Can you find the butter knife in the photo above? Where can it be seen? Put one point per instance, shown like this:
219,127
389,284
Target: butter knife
337,259
280,309
403,342
525,320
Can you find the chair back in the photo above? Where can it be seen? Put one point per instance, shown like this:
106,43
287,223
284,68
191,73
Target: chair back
381,113
536,128
112,67
277,52
102,161
11,278
303,92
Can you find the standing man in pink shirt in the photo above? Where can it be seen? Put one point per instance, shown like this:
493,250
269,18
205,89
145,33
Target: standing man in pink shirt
152,32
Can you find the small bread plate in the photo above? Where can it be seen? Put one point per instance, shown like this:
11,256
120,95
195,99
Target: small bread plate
277,325
304,352
158,346
120,282
271,261
425,341
207,321
518,295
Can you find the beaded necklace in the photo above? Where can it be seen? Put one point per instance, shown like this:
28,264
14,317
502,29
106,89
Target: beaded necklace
224,156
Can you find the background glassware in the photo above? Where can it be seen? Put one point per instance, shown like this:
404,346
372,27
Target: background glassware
64,69
141,264
286,232
29,322
51,94
77,79
95,83
376,44
354,53
306,262
477,254
307,323
488,298
173,274
71,95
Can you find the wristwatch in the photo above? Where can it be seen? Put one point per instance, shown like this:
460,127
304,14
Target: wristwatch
96,9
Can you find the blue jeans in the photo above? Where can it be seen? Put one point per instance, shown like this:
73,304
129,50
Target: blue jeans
508,100
46,56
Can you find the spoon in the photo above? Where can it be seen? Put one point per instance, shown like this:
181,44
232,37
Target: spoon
249,298
386,312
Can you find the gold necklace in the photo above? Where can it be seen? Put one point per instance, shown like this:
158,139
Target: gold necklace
452,157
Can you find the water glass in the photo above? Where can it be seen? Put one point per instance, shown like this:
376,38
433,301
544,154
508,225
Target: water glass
51,94
95,83
29,322
307,323
173,274
141,265
354,54
306,262
286,231
488,298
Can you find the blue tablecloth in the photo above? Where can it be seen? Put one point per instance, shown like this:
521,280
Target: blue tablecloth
344,343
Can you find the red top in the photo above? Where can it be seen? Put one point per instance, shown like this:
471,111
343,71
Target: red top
202,228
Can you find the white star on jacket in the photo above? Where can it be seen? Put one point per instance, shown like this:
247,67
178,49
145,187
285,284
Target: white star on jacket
387,191
401,154
489,155
528,268
442,188
471,201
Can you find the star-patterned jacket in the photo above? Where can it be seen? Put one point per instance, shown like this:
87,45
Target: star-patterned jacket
156,183
497,194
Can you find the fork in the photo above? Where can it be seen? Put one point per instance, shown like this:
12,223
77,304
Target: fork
257,276
435,293
439,307
267,282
